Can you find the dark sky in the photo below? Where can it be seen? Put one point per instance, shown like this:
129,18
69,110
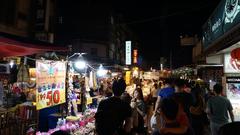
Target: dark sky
158,26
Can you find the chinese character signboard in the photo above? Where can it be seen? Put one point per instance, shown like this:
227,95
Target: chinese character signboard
128,53
50,80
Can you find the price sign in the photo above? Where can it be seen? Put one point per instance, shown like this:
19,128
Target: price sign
50,81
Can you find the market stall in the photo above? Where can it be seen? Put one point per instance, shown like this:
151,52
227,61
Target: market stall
18,83
85,124
82,94
52,94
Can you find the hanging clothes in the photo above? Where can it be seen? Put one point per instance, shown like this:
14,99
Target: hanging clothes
23,74
91,80
87,83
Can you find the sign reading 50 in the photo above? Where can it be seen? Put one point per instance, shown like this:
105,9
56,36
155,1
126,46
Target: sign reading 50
51,97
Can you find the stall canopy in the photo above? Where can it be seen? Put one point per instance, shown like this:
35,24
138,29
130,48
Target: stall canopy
17,46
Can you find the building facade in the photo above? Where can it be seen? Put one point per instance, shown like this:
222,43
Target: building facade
101,25
29,18
96,52
221,41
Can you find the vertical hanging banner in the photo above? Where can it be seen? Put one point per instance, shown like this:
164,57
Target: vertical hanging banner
128,53
50,82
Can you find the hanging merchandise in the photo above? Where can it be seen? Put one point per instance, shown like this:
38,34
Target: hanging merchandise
83,94
95,86
93,80
23,74
1,94
72,95
88,83
50,79
32,75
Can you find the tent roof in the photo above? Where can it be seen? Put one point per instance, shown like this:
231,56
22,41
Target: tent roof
18,46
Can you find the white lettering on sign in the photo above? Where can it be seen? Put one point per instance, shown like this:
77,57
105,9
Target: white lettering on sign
128,53
233,79
216,25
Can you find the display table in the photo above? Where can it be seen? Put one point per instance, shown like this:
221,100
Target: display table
53,119
80,125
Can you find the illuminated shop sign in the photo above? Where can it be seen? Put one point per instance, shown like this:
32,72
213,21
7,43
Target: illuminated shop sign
224,18
135,56
128,52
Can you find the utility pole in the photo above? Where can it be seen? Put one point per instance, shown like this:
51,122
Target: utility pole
170,61
160,64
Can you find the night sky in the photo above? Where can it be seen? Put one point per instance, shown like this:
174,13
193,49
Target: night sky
158,26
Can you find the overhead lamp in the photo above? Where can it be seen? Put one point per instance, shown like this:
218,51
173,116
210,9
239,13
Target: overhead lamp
11,63
80,64
101,71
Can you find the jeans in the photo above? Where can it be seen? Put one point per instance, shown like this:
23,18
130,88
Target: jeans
215,128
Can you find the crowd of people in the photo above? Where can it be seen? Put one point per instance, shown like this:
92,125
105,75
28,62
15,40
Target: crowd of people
172,107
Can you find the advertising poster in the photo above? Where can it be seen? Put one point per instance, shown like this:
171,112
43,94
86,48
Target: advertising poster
50,82
233,94
230,64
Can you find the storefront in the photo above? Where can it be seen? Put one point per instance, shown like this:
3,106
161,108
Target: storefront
221,38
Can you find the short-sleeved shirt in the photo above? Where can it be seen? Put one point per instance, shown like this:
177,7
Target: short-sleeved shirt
110,115
166,92
219,107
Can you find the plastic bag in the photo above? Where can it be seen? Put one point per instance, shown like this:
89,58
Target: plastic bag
153,122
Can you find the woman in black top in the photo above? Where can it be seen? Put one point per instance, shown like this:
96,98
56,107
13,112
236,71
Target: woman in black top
141,109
